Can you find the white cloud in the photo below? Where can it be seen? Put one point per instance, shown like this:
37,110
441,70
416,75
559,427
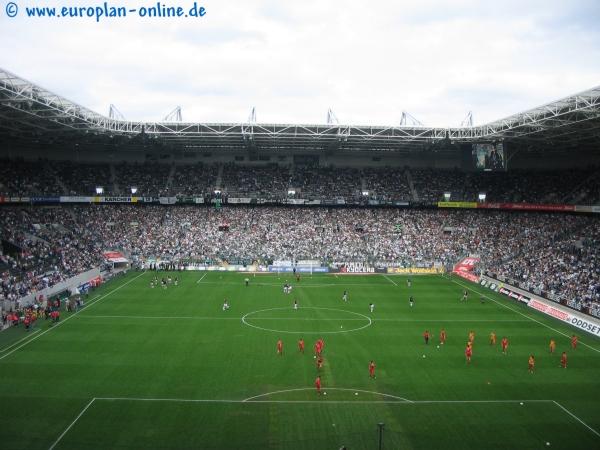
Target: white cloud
293,60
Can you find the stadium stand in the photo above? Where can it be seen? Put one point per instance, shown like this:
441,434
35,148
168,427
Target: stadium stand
553,255
197,179
388,184
150,179
27,178
270,181
41,178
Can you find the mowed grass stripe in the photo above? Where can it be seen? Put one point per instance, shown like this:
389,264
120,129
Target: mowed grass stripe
407,425
180,358
486,295
57,325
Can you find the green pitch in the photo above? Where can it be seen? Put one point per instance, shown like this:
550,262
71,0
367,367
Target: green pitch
169,369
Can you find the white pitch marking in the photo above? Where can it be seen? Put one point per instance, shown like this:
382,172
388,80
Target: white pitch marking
370,322
250,399
390,280
576,418
298,285
202,277
70,317
22,339
72,423
335,319
397,400
520,313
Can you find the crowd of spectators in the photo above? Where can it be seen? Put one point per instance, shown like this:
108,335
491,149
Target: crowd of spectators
83,179
546,253
194,180
270,182
327,182
563,267
19,178
387,184
42,178
42,247
150,179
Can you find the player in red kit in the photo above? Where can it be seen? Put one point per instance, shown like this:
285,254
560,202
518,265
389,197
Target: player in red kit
442,336
371,369
318,384
280,347
574,342
319,347
301,345
563,360
504,343
426,336
468,353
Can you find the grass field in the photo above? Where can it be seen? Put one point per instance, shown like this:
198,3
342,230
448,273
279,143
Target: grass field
168,369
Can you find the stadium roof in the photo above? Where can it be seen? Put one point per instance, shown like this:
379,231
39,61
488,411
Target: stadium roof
31,113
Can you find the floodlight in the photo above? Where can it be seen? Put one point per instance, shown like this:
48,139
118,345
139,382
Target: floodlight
482,197
133,190
99,190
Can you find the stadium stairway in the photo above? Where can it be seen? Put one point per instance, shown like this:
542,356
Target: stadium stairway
413,192
219,176
169,185
59,182
113,179
579,194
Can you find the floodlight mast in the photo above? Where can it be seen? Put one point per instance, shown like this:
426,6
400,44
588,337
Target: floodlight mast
174,116
248,134
332,118
408,119
114,113
468,120
248,127
252,116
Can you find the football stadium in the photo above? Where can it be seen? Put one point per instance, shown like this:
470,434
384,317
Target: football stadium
181,284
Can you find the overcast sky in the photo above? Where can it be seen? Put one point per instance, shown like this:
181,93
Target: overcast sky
292,60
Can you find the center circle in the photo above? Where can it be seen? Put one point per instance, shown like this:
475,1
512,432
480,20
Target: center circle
346,325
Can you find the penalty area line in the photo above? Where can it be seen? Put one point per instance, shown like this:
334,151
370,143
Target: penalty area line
576,418
72,423
255,399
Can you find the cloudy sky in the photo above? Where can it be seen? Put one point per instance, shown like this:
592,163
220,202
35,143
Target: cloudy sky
292,60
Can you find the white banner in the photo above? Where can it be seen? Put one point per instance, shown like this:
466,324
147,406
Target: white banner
240,200
167,200
582,322
76,199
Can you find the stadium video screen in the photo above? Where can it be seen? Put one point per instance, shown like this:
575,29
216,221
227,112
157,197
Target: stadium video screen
489,157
